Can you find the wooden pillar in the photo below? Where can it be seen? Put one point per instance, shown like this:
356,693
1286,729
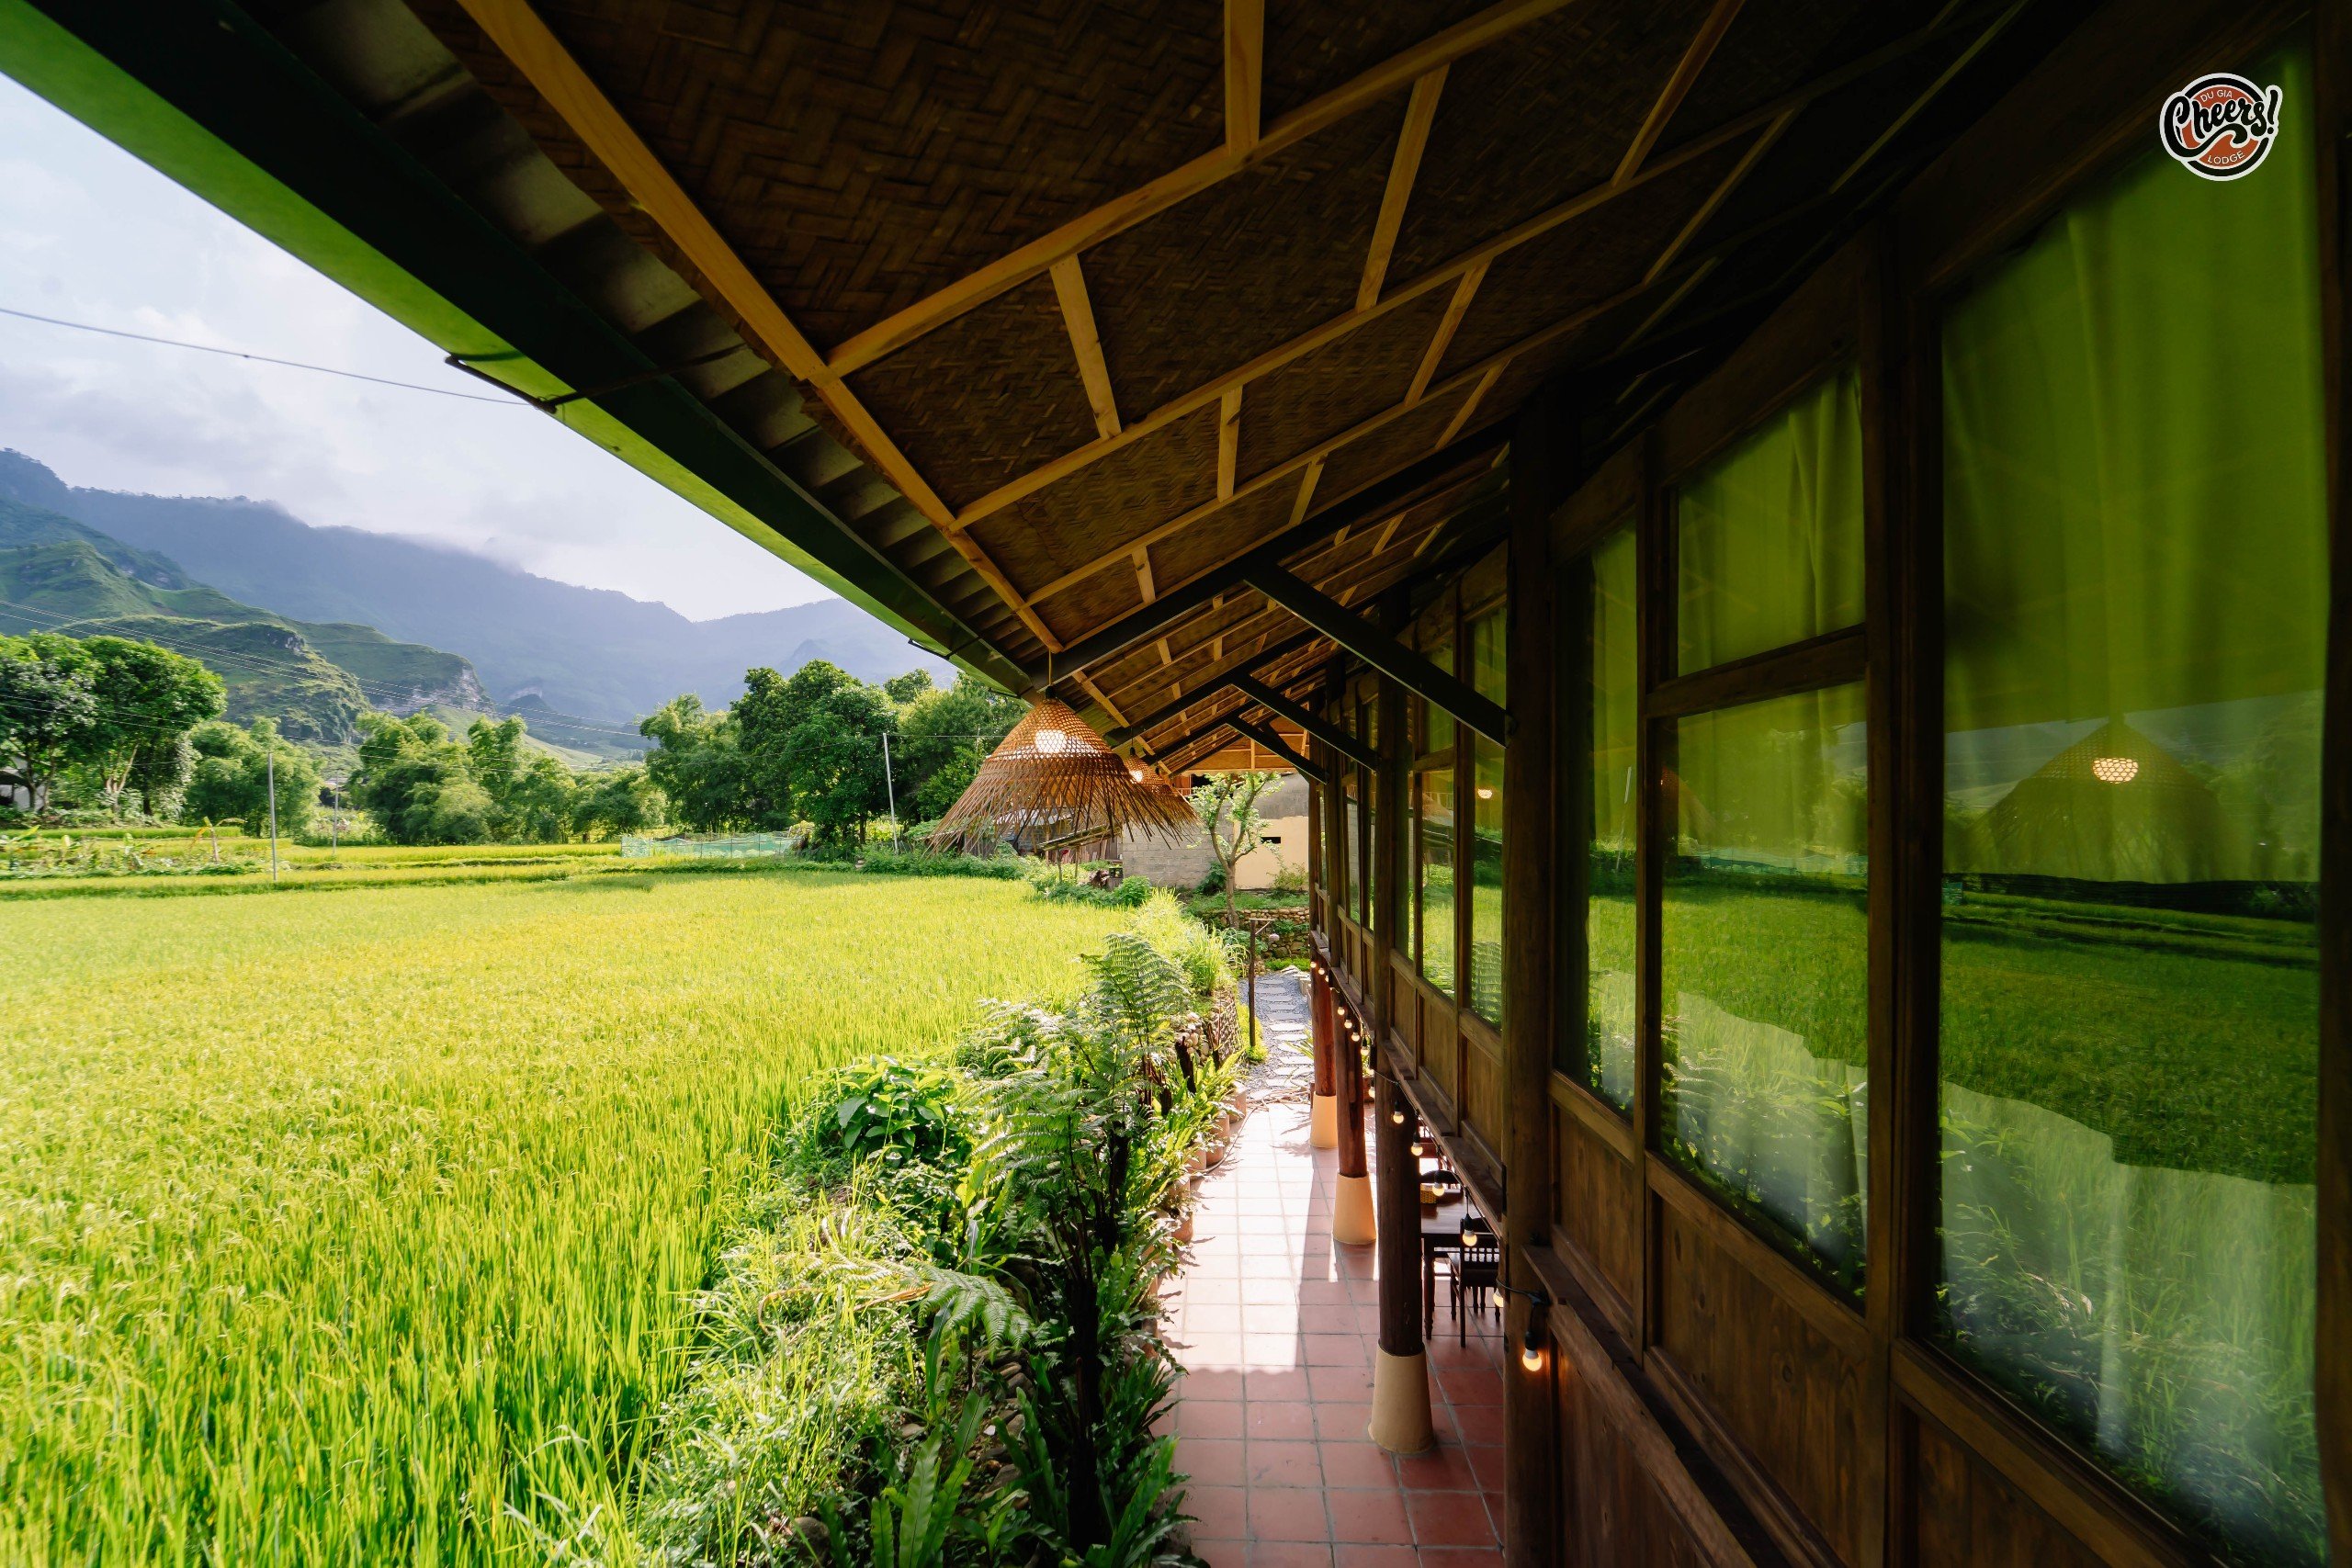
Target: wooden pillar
1323,1123
1331,825
1353,1223
1531,1433
1400,1374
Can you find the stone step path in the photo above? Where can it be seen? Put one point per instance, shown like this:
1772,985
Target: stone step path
1285,1022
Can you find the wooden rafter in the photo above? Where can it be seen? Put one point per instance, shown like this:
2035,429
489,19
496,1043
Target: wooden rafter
1461,417
1086,343
1722,193
1736,130
1677,87
1228,442
1443,339
1143,575
1097,694
1421,113
518,33
1245,72
1306,483
1479,376
1123,213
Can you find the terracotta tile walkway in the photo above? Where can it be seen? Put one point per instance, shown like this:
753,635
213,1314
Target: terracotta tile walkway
1276,1326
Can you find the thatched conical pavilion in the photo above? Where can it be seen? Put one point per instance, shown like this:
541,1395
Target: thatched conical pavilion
1053,783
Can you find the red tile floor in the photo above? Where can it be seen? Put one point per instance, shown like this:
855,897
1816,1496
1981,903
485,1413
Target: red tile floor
1275,1327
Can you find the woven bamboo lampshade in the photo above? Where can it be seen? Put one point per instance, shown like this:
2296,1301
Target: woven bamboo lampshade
1053,780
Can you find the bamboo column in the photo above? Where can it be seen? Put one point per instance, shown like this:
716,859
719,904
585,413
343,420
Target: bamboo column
1530,1430
1400,1374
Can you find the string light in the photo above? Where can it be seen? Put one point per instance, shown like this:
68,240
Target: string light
1531,1348
1396,1115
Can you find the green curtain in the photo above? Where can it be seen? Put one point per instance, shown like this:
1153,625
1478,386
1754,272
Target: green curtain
1771,534
2136,575
2135,518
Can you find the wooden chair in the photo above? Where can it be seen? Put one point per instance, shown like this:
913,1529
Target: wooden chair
1478,1269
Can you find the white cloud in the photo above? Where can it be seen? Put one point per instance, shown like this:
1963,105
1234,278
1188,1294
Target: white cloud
90,234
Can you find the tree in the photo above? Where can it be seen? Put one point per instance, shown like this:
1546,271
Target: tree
1227,807
944,735
540,802
148,697
405,766
233,775
904,689
812,748
616,801
698,765
49,707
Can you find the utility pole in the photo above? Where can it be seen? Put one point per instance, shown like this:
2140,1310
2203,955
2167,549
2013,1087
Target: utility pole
890,782
270,759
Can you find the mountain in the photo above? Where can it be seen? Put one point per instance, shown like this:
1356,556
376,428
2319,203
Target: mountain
60,575
592,652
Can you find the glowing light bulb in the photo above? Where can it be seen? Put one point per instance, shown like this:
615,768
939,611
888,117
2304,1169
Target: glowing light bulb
1486,791
2116,770
1049,741
1397,1117
1135,774
1530,1351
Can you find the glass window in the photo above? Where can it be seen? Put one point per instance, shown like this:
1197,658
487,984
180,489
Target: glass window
1487,678
1607,1058
1437,725
1771,534
2136,579
1351,897
1433,807
1368,844
1487,879
1766,980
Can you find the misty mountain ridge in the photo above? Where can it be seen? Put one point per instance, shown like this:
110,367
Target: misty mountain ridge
594,652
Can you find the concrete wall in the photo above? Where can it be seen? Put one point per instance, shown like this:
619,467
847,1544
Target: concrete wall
1183,862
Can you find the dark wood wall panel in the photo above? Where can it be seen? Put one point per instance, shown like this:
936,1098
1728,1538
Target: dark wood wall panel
1791,1398
1599,1205
1482,1093
1966,1516
1610,1514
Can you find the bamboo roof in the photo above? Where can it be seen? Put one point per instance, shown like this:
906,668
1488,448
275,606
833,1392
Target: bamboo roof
1019,323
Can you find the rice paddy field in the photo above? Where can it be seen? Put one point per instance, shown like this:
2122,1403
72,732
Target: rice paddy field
360,1226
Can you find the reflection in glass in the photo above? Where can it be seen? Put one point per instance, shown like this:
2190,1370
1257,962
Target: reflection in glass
1437,724
1352,895
1771,532
1487,879
1487,678
1766,981
1367,845
1607,1061
2136,607
1433,806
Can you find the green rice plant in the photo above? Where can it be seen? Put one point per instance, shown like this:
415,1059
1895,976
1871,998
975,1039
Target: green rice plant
366,1227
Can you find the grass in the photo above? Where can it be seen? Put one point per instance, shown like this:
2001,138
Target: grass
351,1228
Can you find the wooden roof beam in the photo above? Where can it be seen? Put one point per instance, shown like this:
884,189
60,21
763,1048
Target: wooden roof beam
1383,652
1245,72
1123,213
1314,724
1216,682
1086,342
1265,735
526,41
1421,113
1454,271
1677,87
1369,502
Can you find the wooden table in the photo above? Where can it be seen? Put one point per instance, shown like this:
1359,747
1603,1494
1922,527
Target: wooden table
1442,1225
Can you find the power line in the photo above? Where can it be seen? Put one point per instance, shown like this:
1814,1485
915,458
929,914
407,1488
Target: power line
256,359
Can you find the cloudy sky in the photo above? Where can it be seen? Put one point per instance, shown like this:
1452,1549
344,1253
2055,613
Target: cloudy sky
88,233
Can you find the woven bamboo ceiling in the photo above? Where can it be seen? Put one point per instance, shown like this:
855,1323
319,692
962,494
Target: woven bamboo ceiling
1062,306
